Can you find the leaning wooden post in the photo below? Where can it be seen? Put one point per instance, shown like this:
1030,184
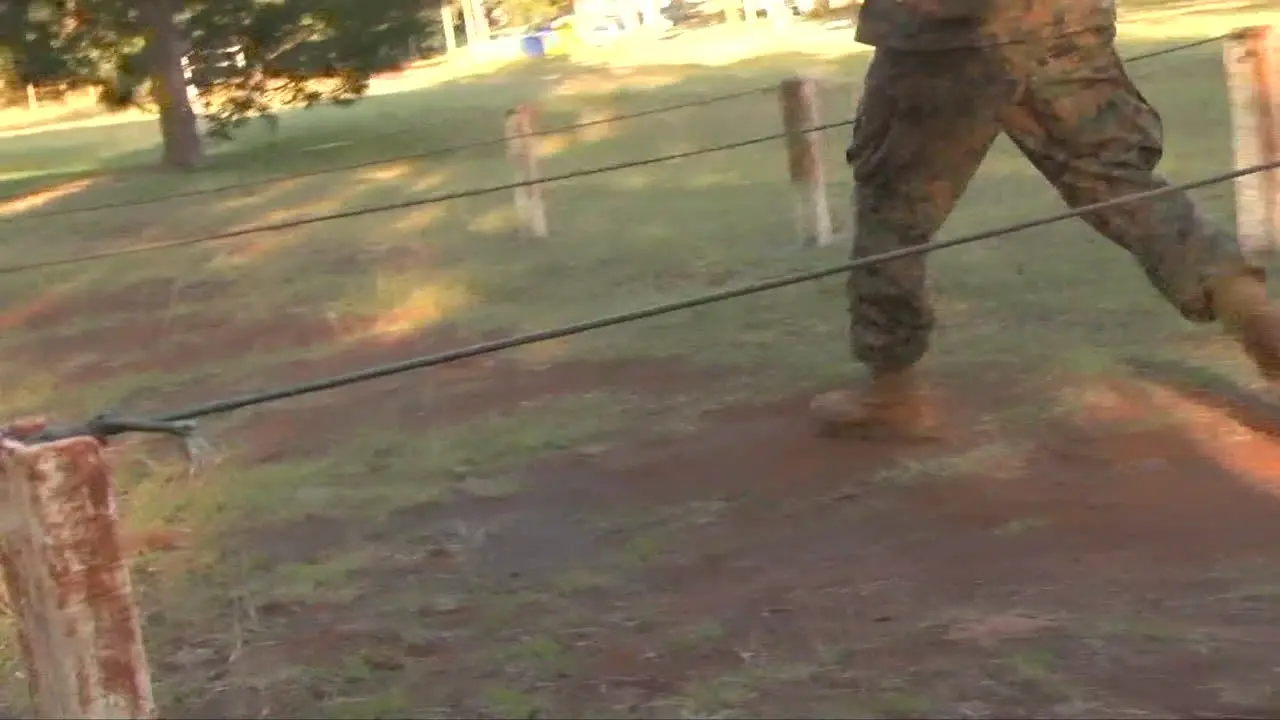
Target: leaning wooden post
1252,59
522,149
800,113
67,581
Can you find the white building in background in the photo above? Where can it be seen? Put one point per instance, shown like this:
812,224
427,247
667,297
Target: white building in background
204,68
625,15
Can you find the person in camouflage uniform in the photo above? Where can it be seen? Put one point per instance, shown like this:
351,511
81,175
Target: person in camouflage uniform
946,78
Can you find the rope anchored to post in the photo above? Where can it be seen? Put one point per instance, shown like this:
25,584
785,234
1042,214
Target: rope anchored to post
67,581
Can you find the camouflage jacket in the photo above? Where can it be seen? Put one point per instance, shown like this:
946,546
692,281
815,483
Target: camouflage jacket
949,24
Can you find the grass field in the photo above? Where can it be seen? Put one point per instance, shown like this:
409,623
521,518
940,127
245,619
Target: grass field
639,522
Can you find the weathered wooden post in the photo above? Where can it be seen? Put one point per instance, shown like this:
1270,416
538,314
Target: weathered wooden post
522,149
777,12
1252,60
475,23
67,581
482,20
735,11
447,24
799,114
651,14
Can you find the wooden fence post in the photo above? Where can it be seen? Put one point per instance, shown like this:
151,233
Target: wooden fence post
735,11
799,113
67,581
522,149
1252,59
650,14
450,31
777,12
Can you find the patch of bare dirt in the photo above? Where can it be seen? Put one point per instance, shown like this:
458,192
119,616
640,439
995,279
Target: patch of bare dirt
61,306
199,346
1117,560
162,307
443,396
1011,582
191,342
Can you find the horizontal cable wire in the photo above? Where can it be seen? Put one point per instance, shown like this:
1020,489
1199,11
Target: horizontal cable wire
514,341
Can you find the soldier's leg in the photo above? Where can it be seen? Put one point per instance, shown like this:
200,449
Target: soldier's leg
924,123
1088,129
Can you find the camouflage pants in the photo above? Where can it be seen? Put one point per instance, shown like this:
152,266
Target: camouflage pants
927,119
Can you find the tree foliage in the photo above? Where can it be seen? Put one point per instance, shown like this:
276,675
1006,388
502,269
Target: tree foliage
294,52
527,12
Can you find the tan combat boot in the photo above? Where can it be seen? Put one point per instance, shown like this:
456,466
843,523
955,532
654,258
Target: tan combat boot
1241,304
893,403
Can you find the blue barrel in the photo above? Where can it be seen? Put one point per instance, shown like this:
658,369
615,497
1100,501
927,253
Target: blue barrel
531,46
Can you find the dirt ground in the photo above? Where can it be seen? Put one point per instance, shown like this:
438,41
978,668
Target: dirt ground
1117,560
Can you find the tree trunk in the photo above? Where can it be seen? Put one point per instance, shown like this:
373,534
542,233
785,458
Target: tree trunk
475,20
165,49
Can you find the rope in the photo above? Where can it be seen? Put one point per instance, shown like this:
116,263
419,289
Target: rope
430,200
710,100
1179,48
385,161
380,371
